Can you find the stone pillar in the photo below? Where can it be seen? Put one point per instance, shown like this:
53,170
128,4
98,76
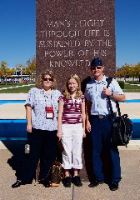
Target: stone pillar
71,33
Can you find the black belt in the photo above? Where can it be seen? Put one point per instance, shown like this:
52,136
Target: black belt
101,116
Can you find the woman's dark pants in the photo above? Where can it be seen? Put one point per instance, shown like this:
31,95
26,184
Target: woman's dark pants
43,147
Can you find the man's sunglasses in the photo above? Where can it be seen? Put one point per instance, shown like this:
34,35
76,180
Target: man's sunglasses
47,79
96,67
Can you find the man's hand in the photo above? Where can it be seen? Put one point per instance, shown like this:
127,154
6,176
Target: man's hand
88,126
107,92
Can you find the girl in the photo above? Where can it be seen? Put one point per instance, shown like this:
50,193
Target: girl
71,126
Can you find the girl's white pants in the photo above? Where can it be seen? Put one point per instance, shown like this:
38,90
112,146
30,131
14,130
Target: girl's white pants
72,139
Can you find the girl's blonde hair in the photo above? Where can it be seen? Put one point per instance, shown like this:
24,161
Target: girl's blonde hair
39,82
78,92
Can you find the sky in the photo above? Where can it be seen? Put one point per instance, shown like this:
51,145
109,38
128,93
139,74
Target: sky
127,31
17,31
18,37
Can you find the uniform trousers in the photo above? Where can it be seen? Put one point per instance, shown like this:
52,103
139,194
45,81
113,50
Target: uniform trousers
43,147
101,142
72,138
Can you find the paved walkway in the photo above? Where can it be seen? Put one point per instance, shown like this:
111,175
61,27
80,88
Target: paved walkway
17,111
20,96
129,186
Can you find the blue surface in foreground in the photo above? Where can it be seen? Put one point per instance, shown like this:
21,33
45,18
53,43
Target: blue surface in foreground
12,129
11,101
132,101
23,101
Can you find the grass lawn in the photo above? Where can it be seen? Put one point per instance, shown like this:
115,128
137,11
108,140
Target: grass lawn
10,85
127,88
131,88
24,89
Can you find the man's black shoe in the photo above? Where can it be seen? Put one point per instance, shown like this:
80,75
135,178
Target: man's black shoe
114,186
77,181
67,181
95,183
17,184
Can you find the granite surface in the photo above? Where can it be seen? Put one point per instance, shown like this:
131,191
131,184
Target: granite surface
71,33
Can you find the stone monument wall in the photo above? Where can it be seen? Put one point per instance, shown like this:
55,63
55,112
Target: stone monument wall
71,33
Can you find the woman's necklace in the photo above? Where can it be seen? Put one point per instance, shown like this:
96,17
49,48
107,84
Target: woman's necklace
73,98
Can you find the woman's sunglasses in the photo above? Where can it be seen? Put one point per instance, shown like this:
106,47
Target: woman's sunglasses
47,79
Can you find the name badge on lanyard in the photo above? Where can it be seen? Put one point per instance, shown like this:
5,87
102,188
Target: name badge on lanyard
49,112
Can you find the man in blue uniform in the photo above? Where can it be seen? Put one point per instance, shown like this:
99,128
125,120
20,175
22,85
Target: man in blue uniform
98,123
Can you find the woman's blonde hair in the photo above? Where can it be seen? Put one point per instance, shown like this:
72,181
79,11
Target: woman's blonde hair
39,82
78,92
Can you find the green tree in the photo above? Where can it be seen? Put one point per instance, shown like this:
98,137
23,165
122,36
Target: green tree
31,66
129,71
3,68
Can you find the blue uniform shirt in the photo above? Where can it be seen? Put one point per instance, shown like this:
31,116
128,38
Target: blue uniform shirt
99,101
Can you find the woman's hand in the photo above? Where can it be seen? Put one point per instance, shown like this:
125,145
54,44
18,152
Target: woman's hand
84,134
29,128
59,135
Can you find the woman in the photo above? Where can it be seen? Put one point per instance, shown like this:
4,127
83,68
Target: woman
41,113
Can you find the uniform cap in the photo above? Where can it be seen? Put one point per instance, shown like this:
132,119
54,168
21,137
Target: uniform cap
96,62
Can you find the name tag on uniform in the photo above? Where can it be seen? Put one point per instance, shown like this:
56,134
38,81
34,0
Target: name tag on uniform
49,112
